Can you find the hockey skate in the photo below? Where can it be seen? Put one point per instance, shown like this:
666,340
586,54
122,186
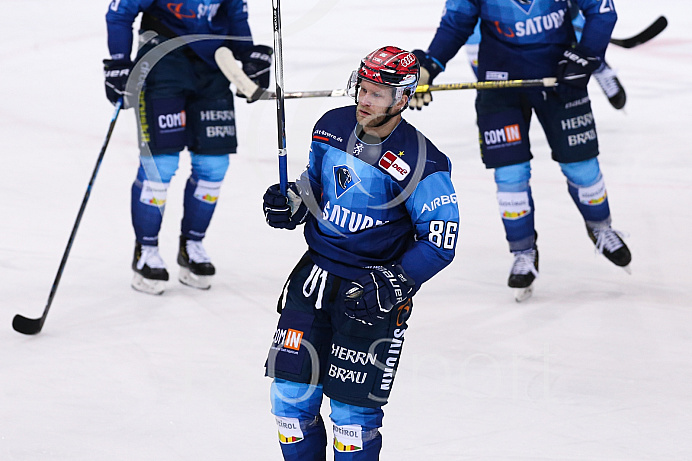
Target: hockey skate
610,244
150,271
196,269
524,271
608,80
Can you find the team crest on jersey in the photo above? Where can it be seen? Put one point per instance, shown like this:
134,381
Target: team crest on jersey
344,179
524,5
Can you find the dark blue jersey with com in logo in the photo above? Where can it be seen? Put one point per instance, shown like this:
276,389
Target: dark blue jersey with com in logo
391,202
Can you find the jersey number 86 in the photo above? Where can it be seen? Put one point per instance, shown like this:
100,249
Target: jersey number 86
443,234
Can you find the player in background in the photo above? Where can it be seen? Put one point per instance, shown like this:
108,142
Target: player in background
381,218
526,39
185,102
605,76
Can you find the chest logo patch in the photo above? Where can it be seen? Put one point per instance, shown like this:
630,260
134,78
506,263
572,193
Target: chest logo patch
524,5
394,165
344,179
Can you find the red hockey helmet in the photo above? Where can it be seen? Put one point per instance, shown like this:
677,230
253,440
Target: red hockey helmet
389,66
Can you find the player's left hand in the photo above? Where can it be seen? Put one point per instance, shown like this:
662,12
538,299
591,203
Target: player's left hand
372,297
256,63
576,66
284,211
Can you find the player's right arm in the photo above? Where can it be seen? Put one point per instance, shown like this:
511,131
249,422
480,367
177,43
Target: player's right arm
456,26
119,19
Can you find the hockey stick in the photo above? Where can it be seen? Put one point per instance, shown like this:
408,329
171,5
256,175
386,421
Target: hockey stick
642,37
233,72
29,326
280,114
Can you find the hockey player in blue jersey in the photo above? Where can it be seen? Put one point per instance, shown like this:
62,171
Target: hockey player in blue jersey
526,39
381,218
185,102
605,76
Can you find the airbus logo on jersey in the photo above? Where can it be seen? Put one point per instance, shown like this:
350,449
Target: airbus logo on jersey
344,179
395,165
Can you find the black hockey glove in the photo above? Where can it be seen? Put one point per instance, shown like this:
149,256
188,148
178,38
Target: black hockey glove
371,297
116,72
576,66
429,69
284,212
256,63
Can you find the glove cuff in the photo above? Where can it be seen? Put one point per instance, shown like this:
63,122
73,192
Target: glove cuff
428,63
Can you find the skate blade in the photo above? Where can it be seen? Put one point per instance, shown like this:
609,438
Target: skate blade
149,286
627,269
522,294
201,282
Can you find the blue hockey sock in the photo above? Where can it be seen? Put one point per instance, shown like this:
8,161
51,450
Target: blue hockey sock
147,205
587,189
356,434
149,192
516,205
198,205
201,193
296,407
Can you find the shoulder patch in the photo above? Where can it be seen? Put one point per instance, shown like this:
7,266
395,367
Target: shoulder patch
394,165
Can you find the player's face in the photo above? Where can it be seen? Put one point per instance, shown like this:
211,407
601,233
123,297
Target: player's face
374,102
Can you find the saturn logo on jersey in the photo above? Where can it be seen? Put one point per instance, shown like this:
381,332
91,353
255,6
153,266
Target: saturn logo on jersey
344,179
176,8
395,165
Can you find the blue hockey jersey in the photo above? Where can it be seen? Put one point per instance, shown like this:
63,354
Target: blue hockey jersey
521,38
380,203
181,17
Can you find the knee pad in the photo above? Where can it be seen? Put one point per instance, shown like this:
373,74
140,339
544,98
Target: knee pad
514,205
295,400
585,173
151,193
513,178
354,426
592,195
158,168
209,167
296,408
204,191
345,414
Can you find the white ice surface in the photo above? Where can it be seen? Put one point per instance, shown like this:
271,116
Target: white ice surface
596,366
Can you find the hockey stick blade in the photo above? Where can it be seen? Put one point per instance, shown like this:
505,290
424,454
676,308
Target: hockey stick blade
644,36
27,326
229,67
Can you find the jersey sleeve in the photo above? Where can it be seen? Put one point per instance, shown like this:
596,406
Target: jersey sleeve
599,20
119,19
458,21
240,27
435,217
